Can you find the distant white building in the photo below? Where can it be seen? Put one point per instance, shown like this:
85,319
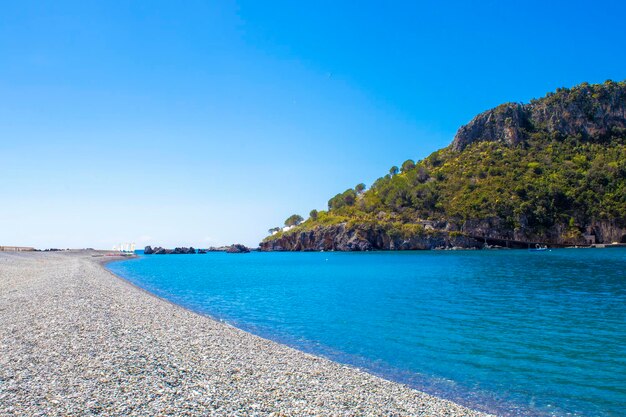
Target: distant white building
125,248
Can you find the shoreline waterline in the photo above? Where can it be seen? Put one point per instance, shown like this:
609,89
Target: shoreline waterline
73,340
440,389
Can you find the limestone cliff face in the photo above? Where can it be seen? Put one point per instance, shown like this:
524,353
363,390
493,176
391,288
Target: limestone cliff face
506,123
364,238
591,112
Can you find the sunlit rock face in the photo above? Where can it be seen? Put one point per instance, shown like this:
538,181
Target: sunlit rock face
592,112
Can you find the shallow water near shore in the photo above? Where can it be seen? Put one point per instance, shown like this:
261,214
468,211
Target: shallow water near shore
512,331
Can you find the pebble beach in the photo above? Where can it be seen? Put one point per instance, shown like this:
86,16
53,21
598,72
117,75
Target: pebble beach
76,340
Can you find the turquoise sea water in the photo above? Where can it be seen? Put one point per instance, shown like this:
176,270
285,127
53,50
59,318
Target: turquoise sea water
515,332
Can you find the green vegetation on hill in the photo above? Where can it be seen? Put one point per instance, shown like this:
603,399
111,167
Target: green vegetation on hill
551,177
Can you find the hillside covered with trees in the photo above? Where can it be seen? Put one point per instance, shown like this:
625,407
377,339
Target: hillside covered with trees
552,171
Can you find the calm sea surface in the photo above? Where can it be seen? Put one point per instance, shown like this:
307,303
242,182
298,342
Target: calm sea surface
516,332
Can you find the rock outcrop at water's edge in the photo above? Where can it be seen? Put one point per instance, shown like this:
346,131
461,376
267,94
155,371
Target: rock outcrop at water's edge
237,248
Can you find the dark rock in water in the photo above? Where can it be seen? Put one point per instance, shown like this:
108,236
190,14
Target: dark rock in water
162,251
237,248
218,249
201,251
184,251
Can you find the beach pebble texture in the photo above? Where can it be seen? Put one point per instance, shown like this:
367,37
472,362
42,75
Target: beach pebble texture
75,340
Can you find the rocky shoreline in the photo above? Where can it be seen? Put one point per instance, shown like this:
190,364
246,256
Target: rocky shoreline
470,235
346,238
77,340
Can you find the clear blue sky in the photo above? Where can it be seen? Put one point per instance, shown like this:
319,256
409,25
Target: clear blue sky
205,122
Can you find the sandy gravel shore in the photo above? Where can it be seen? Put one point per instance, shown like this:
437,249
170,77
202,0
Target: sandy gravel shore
76,340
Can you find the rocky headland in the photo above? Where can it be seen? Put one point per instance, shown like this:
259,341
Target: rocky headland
550,172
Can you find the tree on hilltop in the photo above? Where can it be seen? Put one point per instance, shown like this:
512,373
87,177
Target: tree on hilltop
294,220
408,165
